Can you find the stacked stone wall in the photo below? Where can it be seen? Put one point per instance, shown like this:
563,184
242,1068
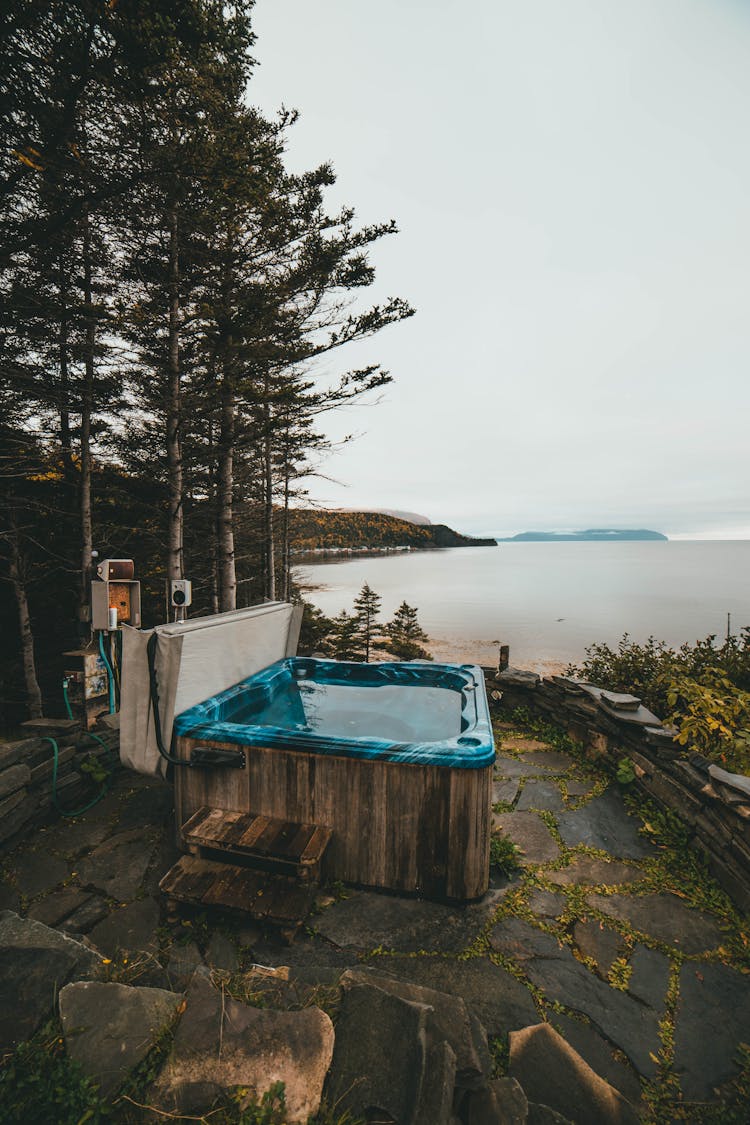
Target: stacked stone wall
713,803
26,769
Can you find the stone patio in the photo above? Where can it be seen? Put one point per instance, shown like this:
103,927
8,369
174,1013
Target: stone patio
599,933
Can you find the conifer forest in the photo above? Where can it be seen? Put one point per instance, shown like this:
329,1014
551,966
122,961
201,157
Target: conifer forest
170,295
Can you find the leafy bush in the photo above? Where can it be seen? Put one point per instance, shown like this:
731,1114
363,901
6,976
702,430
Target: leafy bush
39,1083
504,854
703,690
625,771
713,716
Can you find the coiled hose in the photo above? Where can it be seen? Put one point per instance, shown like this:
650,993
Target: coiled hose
55,761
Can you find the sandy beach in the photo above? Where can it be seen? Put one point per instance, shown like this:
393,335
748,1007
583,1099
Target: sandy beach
474,651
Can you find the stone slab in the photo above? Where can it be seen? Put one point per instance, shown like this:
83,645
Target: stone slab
129,929
531,834
546,904
600,1054
449,1020
258,1048
13,779
500,1002
74,837
508,767
649,977
587,870
86,916
547,761
598,942
153,807
55,907
552,1073
222,953
664,917
37,872
628,1023
35,962
504,790
541,795
604,823
366,920
10,897
109,1028
381,1064
500,1102
712,1018
519,940
117,866
578,789
184,959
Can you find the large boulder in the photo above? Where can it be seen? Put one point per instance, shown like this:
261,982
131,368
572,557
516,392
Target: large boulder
109,1028
449,1021
35,963
222,1044
386,1064
553,1074
501,1102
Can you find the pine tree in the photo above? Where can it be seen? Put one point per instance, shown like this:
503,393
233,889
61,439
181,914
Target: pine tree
404,636
366,610
346,637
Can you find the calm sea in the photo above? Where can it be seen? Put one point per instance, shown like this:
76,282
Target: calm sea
548,601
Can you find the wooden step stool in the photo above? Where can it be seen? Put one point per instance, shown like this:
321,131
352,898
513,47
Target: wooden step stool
274,873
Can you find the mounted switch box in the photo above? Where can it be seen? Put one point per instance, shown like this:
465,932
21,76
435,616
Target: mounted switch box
123,597
181,592
112,570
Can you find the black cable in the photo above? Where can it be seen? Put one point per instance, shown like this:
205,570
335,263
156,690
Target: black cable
154,692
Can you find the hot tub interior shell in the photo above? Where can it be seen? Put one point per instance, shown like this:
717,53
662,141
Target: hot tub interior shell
406,816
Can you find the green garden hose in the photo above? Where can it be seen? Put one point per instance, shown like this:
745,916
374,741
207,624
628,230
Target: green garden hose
56,754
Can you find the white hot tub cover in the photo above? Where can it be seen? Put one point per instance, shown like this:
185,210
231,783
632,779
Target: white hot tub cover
195,660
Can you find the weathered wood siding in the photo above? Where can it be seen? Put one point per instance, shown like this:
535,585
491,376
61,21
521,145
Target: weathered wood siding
422,829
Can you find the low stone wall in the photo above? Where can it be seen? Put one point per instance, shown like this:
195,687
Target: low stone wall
26,773
713,803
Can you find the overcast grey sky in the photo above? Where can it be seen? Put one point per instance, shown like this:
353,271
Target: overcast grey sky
572,185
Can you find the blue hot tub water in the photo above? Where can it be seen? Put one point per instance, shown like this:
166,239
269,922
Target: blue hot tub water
422,714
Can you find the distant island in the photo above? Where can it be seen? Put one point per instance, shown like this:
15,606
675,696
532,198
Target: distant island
317,531
592,535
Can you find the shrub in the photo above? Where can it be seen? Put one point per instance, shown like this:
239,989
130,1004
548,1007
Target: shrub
504,854
703,690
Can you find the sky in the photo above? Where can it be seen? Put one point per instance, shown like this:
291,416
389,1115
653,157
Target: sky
571,183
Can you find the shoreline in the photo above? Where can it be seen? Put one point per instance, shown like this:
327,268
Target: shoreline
466,650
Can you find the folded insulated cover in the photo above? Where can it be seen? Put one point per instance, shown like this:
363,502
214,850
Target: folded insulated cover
195,660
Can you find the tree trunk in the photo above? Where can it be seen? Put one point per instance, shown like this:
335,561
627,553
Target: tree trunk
66,448
285,548
225,489
213,546
173,410
268,536
87,399
15,567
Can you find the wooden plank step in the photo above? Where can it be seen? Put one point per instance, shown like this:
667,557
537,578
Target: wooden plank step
282,843
277,899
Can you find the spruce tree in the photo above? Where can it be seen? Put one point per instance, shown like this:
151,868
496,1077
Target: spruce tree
366,610
403,635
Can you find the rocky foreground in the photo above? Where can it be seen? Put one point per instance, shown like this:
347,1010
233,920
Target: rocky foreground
606,980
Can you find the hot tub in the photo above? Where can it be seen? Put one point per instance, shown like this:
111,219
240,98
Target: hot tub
395,758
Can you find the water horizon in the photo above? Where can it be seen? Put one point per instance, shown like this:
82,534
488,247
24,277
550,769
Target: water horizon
547,600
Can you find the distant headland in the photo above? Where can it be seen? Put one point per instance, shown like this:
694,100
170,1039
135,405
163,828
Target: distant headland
591,535
347,532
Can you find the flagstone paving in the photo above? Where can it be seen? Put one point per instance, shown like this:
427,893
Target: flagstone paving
625,947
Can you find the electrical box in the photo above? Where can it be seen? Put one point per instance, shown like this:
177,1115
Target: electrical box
88,692
112,570
181,592
123,598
